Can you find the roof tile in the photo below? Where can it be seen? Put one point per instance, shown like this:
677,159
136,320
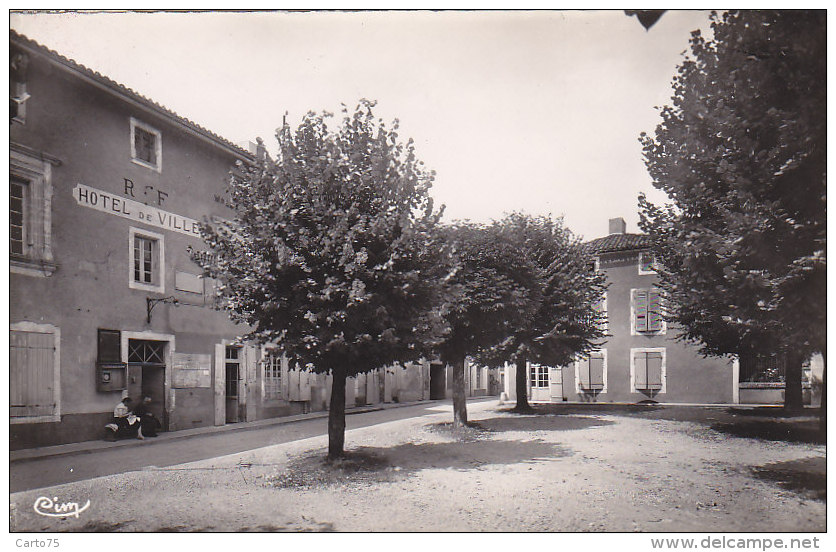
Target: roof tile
618,242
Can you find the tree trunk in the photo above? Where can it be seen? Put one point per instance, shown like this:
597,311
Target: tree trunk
793,400
459,395
336,414
522,385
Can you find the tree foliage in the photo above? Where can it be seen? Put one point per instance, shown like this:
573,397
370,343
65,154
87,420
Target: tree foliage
333,253
741,154
558,290
492,297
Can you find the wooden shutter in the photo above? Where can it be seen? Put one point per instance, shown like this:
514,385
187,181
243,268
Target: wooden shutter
640,300
583,373
640,370
654,370
220,385
596,371
654,311
32,374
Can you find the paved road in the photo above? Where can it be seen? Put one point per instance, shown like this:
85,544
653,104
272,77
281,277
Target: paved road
45,472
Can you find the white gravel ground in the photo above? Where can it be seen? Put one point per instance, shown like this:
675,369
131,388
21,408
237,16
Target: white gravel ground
529,473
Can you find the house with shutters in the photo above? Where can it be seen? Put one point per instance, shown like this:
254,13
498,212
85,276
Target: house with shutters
640,359
106,192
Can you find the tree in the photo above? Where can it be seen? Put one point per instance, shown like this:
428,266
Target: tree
492,286
560,320
741,153
332,254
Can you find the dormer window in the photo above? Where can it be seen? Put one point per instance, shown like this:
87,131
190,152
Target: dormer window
146,145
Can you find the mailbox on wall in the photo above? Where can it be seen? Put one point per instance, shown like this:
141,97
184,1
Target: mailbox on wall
111,377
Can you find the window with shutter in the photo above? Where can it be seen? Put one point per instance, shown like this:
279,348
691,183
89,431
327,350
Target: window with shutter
591,372
648,369
596,371
647,311
34,379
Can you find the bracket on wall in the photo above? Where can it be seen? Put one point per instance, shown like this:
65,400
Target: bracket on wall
150,303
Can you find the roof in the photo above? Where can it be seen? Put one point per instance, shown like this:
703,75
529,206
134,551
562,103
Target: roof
127,93
618,242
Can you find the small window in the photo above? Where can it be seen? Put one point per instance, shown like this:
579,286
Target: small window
647,263
648,370
147,259
146,145
539,376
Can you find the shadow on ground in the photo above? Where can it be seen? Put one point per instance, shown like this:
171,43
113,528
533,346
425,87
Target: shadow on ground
372,465
785,430
807,476
766,423
542,423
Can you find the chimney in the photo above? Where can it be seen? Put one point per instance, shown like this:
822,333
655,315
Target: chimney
618,226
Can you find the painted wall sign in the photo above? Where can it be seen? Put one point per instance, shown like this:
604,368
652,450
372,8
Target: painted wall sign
107,202
191,370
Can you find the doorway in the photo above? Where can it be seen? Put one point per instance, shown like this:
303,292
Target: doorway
146,369
438,381
233,384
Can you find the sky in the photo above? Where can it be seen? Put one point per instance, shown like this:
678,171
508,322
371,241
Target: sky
535,111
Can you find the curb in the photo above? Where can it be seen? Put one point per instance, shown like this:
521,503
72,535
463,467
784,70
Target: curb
91,447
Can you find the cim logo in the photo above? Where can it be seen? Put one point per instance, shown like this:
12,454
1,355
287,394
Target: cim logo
50,507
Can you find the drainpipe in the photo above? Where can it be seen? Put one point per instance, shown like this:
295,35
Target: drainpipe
736,379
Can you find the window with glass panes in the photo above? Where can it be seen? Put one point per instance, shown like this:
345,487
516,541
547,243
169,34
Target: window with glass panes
272,375
17,215
647,311
539,376
144,259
